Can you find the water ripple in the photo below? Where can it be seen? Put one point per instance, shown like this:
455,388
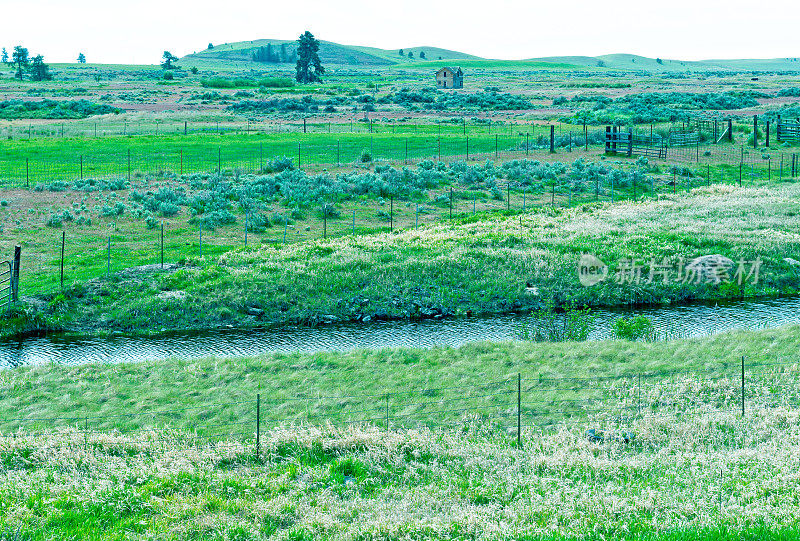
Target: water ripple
686,320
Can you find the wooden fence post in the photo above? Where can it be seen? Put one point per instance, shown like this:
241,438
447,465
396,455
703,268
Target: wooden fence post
15,274
755,131
630,142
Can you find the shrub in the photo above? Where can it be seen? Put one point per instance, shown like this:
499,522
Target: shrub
168,209
792,92
116,210
632,328
366,156
258,223
548,326
276,82
152,222
329,211
11,109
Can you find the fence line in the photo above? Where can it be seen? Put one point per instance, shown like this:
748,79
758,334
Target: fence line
52,269
507,405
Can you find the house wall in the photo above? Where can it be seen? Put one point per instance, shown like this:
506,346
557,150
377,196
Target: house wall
447,79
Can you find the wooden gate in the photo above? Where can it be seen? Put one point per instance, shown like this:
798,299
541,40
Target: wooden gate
619,141
787,130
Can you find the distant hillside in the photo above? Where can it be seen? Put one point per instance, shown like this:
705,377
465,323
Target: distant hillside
241,54
635,62
329,53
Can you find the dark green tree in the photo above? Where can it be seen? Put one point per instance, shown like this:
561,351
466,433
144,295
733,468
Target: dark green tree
411,54
401,53
169,60
270,54
82,58
284,54
309,68
39,70
20,61
422,55
4,56
210,45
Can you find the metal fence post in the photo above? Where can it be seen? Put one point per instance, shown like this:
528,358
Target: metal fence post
258,425
519,409
391,213
63,241
162,245
109,255
742,385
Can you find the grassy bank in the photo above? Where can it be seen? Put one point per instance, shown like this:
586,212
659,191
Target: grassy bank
704,474
473,265
340,387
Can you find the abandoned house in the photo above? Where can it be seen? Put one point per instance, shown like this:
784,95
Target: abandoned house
450,78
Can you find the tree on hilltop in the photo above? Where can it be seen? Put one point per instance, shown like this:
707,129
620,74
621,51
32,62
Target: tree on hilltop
82,58
309,67
169,60
39,70
20,61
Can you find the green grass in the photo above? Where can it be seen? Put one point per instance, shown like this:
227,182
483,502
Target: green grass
699,473
46,160
209,395
474,264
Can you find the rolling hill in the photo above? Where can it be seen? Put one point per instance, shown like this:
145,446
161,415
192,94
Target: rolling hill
330,53
336,54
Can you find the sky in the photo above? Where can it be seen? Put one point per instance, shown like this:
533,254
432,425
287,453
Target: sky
138,31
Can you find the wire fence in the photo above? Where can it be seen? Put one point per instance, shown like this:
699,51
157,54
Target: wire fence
65,258
24,167
19,168
112,127
513,406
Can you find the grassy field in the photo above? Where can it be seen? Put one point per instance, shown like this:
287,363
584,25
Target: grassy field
692,468
395,216
472,264
213,395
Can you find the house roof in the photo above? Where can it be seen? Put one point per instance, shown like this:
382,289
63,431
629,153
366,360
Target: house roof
454,70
